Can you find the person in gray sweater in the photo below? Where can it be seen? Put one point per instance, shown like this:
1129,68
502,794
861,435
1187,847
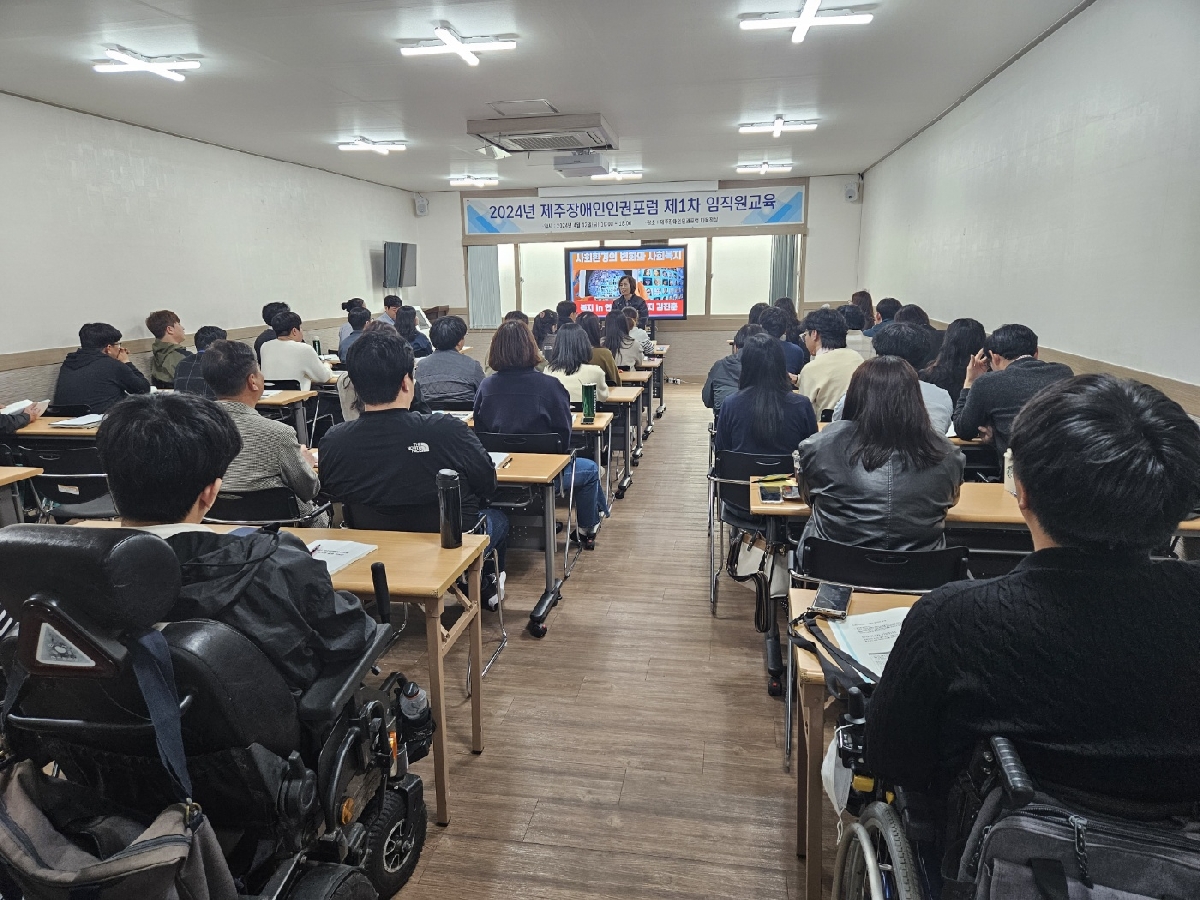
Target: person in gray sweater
447,375
991,400
726,372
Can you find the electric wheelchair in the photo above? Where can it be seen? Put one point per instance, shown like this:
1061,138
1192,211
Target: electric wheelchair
309,797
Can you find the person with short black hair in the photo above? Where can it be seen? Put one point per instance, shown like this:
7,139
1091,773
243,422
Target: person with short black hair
756,312
908,342
572,364
590,323
566,311
391,307
627,288
99,373
990,400
165,457
765,415
290,357
347,328
406,327
388,458
617,341
726,373
788,307
775,323
168,351
911,314
348,397
271,457
885,313
357,319
1083,655
188,376
855,323
269,312
832,364
449,375
964,338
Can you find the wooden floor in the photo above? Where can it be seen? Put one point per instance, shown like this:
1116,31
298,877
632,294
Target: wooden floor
632,752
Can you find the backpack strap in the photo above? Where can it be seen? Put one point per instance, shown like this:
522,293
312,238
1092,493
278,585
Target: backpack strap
842,671
151,660
1050,879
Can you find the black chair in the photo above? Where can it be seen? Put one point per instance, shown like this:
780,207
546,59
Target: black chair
982,463
524,498
826,415
281,779
281,384
451,405
71,411
72,484
270,506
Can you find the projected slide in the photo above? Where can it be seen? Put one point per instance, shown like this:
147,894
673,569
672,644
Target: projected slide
656,274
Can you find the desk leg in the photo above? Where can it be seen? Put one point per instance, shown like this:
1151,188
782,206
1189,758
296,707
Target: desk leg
300,422
648,397
627,475
637,453
10,506
437,702
548,600
598,455
473,588
661,376
608,464
808,785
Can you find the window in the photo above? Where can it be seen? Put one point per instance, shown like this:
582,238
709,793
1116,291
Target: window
741,273
544,274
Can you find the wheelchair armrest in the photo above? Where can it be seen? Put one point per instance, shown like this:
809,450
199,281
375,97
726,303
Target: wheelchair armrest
331,691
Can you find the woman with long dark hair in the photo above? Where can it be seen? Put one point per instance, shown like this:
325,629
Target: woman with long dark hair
862,299
618,342
882,477
765,415
788,308
406,324
590,323
572,363
964,338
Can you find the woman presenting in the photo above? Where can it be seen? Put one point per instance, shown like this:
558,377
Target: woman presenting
629,297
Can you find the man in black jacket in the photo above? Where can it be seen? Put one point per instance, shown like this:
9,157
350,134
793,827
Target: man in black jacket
989,401
1085,654
726,373
188,377
165,456
99,373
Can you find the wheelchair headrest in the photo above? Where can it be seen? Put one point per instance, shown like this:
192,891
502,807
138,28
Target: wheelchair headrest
115,576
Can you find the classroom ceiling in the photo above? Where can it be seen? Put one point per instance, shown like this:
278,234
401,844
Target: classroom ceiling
288,79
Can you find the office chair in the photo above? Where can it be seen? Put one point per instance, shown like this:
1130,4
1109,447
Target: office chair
72,484
270,506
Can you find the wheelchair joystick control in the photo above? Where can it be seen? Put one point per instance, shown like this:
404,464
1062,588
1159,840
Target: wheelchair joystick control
856,707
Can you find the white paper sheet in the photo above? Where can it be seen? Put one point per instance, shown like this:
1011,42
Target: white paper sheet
338,554
499,459
869,637
79,422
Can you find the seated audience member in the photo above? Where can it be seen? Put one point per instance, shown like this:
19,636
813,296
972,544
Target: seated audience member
515,315
590,323
637,333
726,373
269,312
855,323
518,399
350,305
290,358
885,313
1084,654
168,351
862,299
348,397
358,317
827,374
964,338
632,294
617,341
788,308
406,325
992,399
165,456
911,314
189,377
572,364
391,308
908,342
566,311
545,331
765,415
775,323
449,374
388,459
99,373
12,422
756,312
883,477
270,457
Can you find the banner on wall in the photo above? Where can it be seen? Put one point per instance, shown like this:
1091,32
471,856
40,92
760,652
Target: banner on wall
729,208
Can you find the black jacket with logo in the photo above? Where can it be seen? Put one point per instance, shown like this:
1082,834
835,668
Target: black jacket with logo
92,379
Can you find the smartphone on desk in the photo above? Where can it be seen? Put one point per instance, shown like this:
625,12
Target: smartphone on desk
832,601
770,493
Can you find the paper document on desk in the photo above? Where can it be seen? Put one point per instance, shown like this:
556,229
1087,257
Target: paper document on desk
499,459
14,408
869,637
271,393
338,554
79,422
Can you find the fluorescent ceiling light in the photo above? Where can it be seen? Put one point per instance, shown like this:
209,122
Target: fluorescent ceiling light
778,127
807,18
383,148
125,60
618,176
764,168
473,181
449,41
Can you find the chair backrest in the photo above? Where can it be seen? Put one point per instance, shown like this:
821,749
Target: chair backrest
826,415
265,507
282,384
520,443
451,405
906,571
70,410
733,471
70,474
424,518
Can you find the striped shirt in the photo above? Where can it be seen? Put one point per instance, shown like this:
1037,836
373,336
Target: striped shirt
270,457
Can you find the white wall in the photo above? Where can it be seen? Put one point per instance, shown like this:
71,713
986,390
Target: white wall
1064,195
831,252
441,267
101,221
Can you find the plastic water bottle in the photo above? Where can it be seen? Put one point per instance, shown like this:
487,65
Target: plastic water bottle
414,702
317,346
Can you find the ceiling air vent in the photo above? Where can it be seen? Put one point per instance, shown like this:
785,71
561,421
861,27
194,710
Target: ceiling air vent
529,134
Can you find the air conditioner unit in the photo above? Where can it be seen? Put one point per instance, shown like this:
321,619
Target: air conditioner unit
528,134
582,165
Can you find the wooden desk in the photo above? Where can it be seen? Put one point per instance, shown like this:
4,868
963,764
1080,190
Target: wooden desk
294,399
41,428
625,397
651,363
643,378
810,737
10,498
657,363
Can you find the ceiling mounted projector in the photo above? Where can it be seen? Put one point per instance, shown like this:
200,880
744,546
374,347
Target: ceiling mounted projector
583,165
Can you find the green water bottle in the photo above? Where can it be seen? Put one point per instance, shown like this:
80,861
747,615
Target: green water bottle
317,346
589,404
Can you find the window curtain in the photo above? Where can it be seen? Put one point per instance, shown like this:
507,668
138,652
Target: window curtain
783,267
483,286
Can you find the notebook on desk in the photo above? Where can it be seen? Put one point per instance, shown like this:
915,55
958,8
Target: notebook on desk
499,459
274,392
79,422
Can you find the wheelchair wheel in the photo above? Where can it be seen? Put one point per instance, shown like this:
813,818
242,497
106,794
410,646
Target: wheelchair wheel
394,841
874,859
333,882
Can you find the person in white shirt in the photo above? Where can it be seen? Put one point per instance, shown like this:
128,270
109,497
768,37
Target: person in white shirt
572,363
617,341
826,376
639,336
289,357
